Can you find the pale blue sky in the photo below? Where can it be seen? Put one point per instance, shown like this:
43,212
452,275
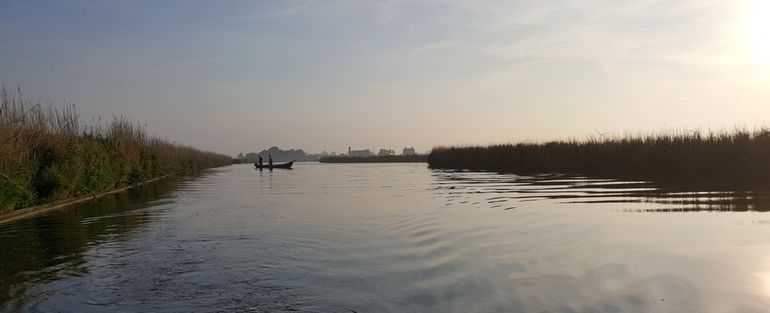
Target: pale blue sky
235,76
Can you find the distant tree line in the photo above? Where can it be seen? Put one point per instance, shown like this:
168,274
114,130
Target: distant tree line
280,155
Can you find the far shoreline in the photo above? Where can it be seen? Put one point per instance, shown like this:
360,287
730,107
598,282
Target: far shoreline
416,158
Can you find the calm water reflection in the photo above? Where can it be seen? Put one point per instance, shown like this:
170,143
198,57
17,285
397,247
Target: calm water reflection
394,238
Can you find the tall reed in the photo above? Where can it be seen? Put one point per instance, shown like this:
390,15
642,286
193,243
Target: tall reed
46,154
736,156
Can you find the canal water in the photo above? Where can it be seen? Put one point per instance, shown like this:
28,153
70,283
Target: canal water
393,238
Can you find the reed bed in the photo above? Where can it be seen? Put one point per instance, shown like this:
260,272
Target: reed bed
47,155
735,156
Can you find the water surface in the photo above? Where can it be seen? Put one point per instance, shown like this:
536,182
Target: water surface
394,238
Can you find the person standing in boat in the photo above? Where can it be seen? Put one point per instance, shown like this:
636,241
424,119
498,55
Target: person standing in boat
270,160
260,161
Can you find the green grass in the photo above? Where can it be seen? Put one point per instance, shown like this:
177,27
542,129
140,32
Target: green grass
738,156
46,155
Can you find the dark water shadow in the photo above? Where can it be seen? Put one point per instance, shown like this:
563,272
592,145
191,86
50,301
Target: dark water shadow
506,190
47,247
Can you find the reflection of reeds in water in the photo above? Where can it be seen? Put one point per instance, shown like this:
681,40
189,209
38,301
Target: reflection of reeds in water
46,154
738,201
667,198
507,192
739,156
56,245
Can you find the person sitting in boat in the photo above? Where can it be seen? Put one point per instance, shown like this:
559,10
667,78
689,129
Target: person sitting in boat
270,160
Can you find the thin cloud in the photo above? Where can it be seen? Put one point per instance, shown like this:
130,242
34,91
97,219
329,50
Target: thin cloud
287,8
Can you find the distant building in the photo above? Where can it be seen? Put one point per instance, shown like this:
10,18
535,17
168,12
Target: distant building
359,153
409,151
386,152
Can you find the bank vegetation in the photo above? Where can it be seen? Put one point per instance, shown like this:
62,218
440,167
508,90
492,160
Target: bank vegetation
736,156
46,154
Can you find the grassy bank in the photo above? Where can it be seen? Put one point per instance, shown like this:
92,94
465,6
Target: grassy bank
736,156
47,155
376,159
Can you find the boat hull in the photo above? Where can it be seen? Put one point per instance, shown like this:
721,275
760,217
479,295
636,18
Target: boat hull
286,166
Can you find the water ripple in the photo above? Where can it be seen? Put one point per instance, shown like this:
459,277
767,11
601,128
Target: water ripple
392,238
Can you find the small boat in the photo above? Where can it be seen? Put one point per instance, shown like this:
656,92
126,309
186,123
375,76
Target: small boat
282,165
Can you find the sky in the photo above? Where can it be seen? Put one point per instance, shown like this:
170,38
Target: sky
241,76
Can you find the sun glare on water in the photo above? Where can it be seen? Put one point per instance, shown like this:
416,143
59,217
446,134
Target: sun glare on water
756,31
